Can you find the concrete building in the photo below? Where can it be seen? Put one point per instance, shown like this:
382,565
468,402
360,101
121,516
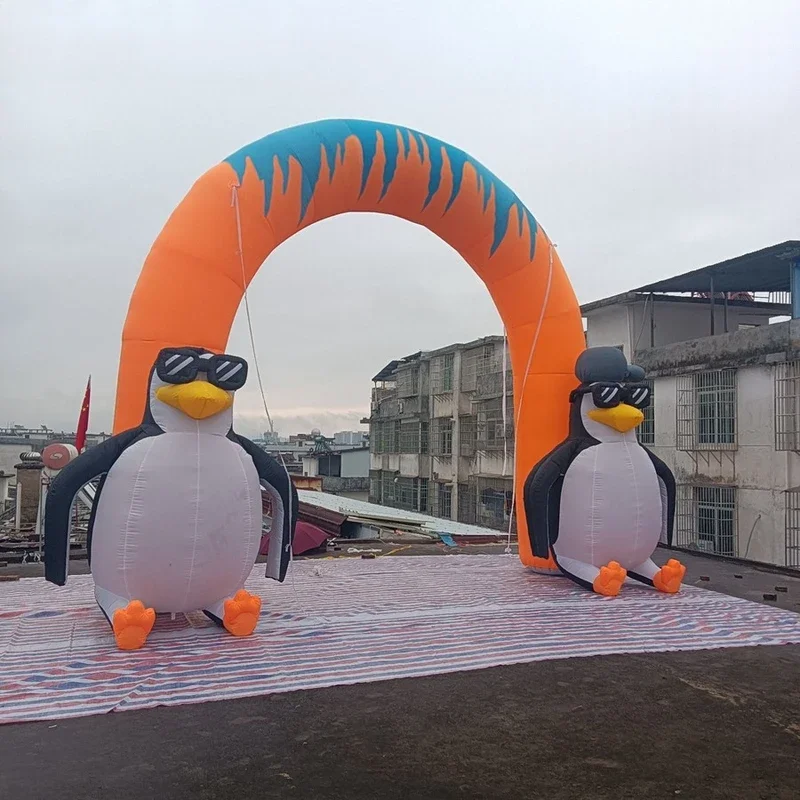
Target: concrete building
350,438
442,434
343,472
721,347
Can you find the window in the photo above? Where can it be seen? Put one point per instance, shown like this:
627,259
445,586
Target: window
388,488
377,437
706,519
422,484
442,373
407,493
706,410
441,436
440,498
646,432
374,486
408,382
793,527
394,434
495,430
409,437
468,429
494,502
787,406
423,437
445,501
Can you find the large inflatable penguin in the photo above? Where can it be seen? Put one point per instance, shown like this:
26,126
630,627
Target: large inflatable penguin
599,502
177,516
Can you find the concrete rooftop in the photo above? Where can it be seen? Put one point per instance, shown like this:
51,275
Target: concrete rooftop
708,724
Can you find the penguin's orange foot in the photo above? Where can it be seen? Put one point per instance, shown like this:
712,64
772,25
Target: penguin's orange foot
610,579
241,613
668,579
132,625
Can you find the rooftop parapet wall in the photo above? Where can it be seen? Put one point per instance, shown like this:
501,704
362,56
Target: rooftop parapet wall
767,344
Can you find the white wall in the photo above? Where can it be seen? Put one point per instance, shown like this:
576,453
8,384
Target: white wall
311,467
679,322
760,473
609,327
629,324
355,464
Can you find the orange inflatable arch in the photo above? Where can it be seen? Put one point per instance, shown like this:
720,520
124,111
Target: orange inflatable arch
192,282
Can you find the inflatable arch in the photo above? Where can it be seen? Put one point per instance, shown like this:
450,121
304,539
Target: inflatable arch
192,282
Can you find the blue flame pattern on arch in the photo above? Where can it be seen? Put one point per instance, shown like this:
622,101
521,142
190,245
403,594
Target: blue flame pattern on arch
305,143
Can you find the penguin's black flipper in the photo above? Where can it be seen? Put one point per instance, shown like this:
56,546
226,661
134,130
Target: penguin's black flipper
90,464
542,495
276,480
666,478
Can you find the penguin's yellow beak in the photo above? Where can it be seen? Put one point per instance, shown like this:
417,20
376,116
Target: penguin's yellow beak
622,418
198,399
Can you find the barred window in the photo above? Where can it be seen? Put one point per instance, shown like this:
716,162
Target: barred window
408,381
440,497
374,486
468,431
646,432
787,406
441,370
495,431
409,437
793,527
706,410
441,436
706,519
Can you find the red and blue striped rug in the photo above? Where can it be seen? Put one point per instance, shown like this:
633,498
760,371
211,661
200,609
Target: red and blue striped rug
347,621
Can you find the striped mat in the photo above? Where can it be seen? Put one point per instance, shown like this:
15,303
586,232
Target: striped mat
347,621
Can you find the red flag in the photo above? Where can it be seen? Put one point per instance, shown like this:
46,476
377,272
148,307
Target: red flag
83,420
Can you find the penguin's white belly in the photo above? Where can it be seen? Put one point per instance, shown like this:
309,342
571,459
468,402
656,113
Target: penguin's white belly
178,522
611,506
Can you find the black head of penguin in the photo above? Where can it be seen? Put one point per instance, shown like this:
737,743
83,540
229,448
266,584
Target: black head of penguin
600,365
194,381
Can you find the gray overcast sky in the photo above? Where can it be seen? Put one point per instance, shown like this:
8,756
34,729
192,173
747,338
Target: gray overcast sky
648,138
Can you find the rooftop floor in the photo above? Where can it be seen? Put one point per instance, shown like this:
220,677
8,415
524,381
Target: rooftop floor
706,724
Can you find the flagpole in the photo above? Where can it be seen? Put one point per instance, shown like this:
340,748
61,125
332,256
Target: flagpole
80,433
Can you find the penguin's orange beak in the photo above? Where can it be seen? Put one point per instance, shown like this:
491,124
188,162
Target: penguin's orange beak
622,418
198,399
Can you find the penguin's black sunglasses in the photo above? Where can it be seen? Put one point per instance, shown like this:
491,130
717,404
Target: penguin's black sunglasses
180,365
609,395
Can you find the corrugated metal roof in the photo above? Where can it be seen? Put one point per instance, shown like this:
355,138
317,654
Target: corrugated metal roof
358,508
766,270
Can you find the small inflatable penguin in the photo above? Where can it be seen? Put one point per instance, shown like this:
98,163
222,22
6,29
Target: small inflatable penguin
600,501
176,521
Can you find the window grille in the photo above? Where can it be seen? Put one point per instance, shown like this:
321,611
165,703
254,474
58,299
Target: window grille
493,433
440,439
646,432
409,437
468,431
494,499
440,499
792,527
408,381
787,406
706,519
442,373
706,410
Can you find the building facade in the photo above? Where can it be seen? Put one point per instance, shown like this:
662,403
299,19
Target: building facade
725,369
343,472
442,433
